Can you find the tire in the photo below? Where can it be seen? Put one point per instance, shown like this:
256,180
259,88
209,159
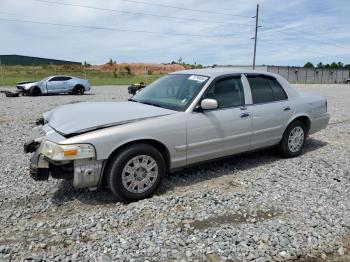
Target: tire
34,91
78,90
293,140
130,182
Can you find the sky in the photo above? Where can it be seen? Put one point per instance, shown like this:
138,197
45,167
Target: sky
205,32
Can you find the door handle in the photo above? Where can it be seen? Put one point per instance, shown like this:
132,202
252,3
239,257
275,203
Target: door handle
245,115
286,108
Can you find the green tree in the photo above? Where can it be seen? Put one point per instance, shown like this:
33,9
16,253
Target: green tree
334,65
309,65
320,65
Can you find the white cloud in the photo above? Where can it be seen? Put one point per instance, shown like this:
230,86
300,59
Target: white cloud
293,31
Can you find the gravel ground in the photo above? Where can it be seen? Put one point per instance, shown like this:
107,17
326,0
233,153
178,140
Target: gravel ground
256,207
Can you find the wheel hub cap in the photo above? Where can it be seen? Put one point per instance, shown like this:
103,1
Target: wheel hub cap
296,139
139,174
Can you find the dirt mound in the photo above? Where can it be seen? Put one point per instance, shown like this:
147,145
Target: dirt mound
140,68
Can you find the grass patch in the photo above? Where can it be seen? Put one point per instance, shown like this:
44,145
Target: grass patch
10,75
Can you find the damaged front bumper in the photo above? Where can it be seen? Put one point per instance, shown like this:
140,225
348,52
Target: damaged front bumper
82,172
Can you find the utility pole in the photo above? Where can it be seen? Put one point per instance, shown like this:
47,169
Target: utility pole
256,32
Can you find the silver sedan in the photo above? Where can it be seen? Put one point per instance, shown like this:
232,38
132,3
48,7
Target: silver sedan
181,119
54,85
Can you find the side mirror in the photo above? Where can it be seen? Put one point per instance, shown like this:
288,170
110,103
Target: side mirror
209,104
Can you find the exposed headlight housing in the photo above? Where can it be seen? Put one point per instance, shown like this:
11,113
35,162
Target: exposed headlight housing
58,152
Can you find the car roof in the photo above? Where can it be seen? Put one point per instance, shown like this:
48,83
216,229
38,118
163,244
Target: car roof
62,76
218,71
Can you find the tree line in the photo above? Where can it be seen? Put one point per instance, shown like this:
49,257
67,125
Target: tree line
333,65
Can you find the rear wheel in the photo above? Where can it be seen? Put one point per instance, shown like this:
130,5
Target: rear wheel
78,90
136,172
35,91
293,140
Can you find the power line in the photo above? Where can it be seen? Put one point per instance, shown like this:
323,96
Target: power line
308,50
29,16
139,13
305,34
184,8
111,28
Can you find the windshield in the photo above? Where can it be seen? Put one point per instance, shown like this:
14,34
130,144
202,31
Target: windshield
172,91
45,79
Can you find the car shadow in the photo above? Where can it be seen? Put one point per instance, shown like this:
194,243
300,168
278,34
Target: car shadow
67,193
228,166
184,178
62,94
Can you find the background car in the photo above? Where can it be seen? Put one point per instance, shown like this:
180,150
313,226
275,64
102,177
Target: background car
181,119
347,81
54,85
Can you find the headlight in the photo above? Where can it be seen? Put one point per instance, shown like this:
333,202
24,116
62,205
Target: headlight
57,152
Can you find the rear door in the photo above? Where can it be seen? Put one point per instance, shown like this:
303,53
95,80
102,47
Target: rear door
270,110
223,131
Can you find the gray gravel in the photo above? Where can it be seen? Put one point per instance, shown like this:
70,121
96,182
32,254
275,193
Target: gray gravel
256,207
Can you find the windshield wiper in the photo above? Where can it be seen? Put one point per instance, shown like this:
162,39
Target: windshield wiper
146,103
150,103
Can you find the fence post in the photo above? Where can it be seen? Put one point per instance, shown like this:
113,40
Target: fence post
314,81
336,75
2,74
35,77
305,75
288,74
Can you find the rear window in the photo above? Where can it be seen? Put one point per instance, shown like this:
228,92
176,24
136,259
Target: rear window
277,89
261,89
265,89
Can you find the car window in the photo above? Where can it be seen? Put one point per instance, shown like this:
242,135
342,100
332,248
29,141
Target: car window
56,78
65,78
277,89
261,89
228,92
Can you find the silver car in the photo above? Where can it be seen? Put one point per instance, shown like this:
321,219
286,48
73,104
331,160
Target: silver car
181,119
54,85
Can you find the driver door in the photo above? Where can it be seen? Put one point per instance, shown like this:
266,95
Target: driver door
54,85
224,131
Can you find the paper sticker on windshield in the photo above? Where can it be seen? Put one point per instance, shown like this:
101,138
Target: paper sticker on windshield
198,78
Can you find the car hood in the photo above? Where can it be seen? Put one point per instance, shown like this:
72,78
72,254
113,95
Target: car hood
82,117
28,84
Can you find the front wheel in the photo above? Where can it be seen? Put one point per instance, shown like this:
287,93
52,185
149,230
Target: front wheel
293,139
78,90
35,91
136,172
